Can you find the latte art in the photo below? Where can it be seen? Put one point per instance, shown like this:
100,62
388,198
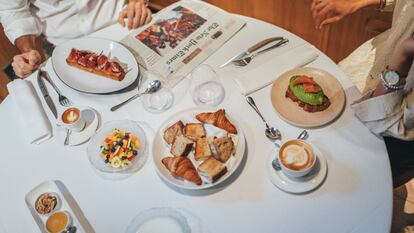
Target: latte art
296,155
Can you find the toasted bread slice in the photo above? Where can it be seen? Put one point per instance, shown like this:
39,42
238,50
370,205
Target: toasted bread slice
173,131
194,131
202,149
212,169
217,119
181,146
222,148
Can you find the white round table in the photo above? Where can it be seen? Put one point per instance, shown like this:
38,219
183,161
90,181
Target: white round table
355,197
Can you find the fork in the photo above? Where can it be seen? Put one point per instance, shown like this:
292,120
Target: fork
244,61
63,100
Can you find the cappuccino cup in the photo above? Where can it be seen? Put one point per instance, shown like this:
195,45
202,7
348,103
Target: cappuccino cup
296,158
72,119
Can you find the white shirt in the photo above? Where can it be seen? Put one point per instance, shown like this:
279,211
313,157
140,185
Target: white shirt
58,20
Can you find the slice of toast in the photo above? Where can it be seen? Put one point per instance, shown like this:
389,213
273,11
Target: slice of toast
194,131
181,146
202,149
212,169
222,148
217,119
173,131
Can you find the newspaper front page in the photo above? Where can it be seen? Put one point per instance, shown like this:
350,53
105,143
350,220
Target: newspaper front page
180,37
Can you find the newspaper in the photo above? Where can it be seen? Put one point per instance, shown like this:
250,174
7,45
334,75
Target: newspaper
180,37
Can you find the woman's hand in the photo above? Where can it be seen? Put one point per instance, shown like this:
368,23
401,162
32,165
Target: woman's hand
329,11
402,59
24,64
137,14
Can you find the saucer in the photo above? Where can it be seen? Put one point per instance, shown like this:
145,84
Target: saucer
91,124
302,184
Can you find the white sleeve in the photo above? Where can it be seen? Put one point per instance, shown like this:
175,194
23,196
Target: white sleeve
18,20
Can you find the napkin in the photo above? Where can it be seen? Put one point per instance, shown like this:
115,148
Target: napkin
29,107
255,79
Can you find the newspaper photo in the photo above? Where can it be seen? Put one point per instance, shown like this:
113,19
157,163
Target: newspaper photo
180,37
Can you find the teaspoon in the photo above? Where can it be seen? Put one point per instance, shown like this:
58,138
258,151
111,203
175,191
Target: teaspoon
153,86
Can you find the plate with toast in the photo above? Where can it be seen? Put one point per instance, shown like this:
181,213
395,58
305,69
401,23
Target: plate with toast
307,97
198,148
95,65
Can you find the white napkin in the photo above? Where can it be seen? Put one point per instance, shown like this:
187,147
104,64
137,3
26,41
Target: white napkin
255,79
31,111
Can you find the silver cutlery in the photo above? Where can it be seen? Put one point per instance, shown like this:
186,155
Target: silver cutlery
271,132
275,162
244,61
45,94
251,50
153,86
68,133
63,100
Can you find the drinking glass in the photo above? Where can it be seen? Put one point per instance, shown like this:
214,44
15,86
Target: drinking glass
161,100
206,88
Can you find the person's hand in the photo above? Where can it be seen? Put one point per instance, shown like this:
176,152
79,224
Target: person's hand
137,14
402,58
24,64
329,11
401,61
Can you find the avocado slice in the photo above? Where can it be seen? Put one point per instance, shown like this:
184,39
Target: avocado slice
309,98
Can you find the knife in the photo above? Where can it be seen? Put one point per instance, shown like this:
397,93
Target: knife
45,93
252,49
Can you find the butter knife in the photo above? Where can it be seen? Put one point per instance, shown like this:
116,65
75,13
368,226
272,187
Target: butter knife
45,93
251,49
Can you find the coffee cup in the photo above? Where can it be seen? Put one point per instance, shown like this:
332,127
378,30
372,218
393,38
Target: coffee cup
58,222
72,119
296,158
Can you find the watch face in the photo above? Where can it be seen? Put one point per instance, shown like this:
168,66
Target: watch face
391,77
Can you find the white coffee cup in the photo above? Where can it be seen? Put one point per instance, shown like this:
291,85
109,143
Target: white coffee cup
72,119
58,222
296,158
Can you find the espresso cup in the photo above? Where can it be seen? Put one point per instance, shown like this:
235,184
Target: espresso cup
72,119
296,158
58,222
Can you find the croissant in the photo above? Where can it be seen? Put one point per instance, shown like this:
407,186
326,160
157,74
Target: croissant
217,119
182,167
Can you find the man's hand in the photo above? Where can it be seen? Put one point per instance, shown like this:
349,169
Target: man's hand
329,11
137,14
24,64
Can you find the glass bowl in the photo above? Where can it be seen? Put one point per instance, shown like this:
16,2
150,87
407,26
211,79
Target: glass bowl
161,219
94,147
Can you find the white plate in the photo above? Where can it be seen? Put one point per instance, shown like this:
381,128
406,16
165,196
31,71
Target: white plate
161,149
91,83
92,121
52,187
298,185
159,220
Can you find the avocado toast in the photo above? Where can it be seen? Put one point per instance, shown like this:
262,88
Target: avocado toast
307,93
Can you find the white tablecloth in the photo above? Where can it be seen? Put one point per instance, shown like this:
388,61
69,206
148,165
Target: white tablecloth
355,197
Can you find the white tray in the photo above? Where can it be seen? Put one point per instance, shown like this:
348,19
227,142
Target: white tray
68,204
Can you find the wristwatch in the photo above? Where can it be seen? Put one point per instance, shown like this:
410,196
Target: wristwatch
391,79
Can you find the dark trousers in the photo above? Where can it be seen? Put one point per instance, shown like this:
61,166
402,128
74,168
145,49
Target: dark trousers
401,154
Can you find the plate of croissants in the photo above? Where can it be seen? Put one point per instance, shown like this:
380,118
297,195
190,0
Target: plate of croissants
198,148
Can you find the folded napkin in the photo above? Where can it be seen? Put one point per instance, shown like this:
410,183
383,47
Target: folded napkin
29,107
255,79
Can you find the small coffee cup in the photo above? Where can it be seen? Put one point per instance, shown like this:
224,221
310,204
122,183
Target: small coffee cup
58,222
296,158
72,119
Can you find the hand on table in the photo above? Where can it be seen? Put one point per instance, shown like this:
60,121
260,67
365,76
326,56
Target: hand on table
137,14
24,64
329,11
